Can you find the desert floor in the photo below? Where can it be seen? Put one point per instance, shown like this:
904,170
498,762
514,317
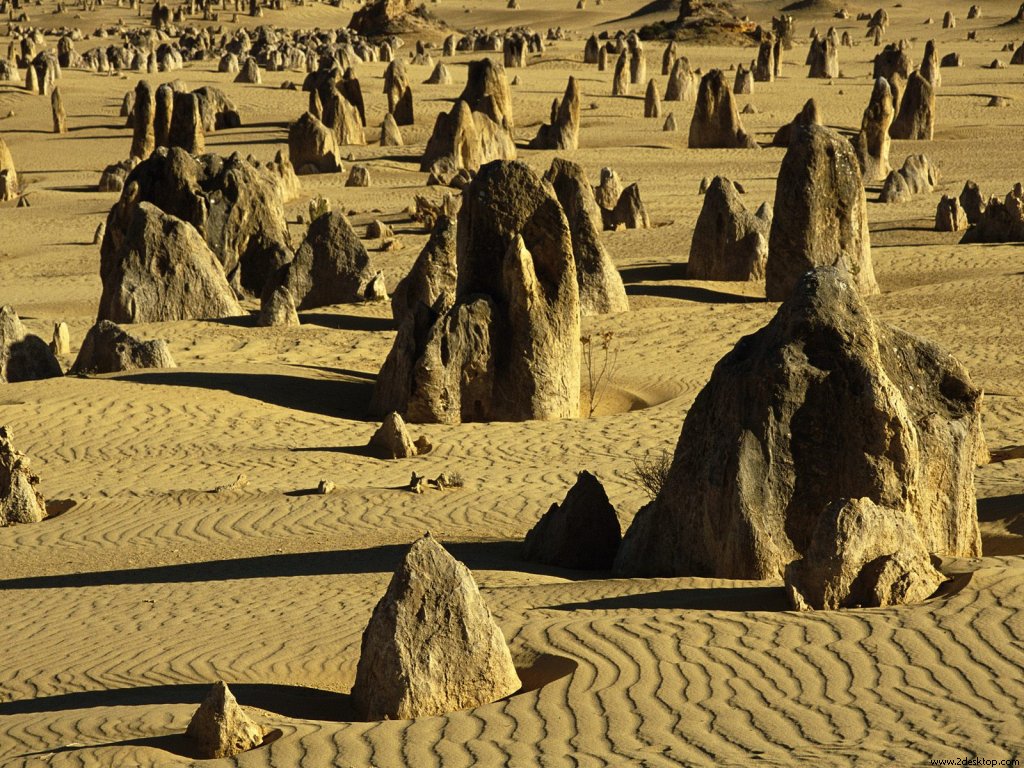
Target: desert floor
150,584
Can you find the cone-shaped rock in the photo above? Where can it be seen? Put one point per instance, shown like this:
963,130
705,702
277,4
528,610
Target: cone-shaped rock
729,242
20,502
652,100
313,147
163,270
390,134
392,440
716,123
431,646
487,92
220,728
582,532
873,140
822,404
564,130
108,348
820,216
600,285
808,115
432,274
862,555
682,82
277,309
916,118
331,266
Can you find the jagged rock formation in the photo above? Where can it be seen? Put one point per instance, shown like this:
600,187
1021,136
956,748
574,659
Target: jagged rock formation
582,532
758,459
873,141
235,206
916,118
508,349
23,356
431,646
729,242
313,147
432,275
820,215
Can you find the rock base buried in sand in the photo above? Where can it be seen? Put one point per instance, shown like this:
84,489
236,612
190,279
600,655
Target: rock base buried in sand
582,532
862,555
431,646
220,728
393,441
20,502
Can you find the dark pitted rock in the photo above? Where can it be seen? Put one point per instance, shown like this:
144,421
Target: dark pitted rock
820,216
1002,221
729,242
824,403
862,555
916,118
582,532
949,216
972,202
108,348
809,115
234,205
431,646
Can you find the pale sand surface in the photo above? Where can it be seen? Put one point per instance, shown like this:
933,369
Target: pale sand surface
117,612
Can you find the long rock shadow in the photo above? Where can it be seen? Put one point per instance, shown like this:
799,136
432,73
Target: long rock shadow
341,397
347,322
488,556
695,599
692,293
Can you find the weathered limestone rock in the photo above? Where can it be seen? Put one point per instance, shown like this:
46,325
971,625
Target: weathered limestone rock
920,174
620,79
873,140
600,285
390,134
60,116
487,92
808,115
629,211
342,117
143,141
758,459
764,66
820,216
916,118
313,147
509,347
895,189
220,728
20,502
236,207
743,85
862,555
716,123
278,309
1002,221
652,101
23,356
186,129
162,269
972,202
582,532
930,65
440,75
564,130
108,348
464,139
431,646
823,57
399,93
949,216
682,82
392,439
432,274
250,72
358,176
331,266
8,175
729,242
